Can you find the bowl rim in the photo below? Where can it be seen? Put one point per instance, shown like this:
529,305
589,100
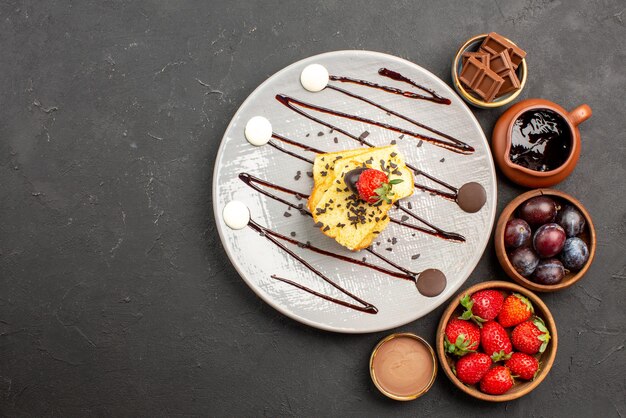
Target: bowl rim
373,373
501,252
548,356
470,98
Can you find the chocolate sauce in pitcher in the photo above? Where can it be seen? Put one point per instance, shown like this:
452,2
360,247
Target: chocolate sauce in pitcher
541,140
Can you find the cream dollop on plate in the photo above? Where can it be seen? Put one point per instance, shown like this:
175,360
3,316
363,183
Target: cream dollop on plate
236,214
258,131
314,77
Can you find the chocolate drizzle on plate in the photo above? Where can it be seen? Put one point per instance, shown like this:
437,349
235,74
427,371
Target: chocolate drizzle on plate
394,75
369,308
405,274
296,105
432,95
254,183
430,282
362,306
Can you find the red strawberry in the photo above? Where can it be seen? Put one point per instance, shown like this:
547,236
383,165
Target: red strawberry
495,341
472,367
372,186
497,381
523,366
530,337
515,310
483,305
461,337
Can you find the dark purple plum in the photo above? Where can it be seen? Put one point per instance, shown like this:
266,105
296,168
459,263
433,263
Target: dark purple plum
572,221
548,240
574,254
524,261
538,211
517,233
550,271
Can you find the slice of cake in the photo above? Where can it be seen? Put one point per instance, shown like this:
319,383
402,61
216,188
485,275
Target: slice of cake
353,190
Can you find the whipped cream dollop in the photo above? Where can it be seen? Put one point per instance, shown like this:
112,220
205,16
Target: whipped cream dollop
258,131
236,214
314,77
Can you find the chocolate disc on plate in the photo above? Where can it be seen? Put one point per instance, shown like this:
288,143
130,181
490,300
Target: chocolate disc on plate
471,197
431,282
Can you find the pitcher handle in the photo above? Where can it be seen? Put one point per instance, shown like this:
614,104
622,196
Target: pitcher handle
580,114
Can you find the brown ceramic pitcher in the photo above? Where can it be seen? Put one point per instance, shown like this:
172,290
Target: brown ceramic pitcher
501,143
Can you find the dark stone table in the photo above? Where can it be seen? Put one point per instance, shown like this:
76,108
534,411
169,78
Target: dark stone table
116,297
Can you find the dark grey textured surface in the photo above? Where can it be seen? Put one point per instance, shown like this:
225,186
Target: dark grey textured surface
116,298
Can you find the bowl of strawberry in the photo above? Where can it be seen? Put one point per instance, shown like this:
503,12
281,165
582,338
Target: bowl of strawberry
545,240
496,341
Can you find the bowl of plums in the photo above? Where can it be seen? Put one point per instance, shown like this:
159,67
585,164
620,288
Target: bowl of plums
496,341
545,240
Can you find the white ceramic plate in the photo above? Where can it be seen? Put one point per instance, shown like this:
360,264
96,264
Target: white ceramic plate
256,258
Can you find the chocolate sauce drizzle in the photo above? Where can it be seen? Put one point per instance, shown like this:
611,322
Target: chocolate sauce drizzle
363,306
292,103
254,183
370,309
294,143
432,95
397,76
430,282
400,115
405,274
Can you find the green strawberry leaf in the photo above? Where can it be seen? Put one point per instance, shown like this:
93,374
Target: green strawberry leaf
466,315
460,346
466,302
545,337
528,304
541,326
448,347
536,371
384,191
460,341
499,356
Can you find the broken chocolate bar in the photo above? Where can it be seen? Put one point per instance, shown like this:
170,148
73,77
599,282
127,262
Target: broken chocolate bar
472,72
501,63
510,83
495,43
483,57
488,85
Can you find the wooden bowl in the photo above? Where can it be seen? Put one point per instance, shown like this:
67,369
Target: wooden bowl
588,235
520,388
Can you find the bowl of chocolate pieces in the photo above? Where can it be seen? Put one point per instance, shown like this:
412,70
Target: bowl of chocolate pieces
489,71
